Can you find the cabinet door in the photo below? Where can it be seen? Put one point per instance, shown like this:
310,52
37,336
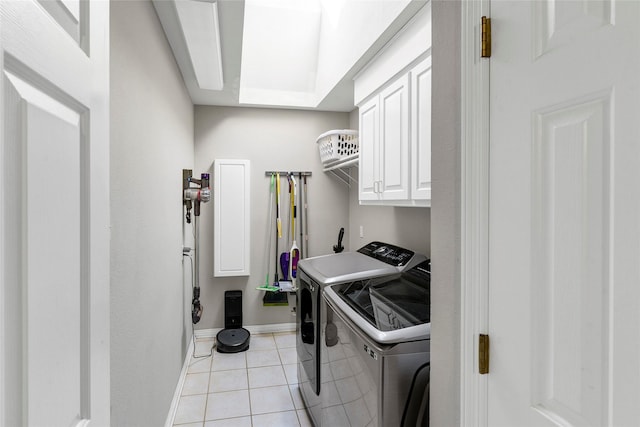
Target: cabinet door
369,168
421,131
394,140
232,215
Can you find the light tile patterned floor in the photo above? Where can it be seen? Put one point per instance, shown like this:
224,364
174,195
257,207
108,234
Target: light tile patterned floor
254,388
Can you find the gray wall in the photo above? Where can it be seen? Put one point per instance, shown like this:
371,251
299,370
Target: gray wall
272,139
445,216
151,141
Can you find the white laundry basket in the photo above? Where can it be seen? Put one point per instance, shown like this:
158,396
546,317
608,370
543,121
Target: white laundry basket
336,145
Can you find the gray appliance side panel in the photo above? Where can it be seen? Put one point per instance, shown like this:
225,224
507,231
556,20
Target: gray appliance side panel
398,374
352,392
388,369
306,354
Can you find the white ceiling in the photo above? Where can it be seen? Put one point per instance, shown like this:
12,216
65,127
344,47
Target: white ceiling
277,54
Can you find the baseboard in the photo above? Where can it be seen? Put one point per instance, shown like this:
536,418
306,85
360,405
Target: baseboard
176,394
255,329
211,333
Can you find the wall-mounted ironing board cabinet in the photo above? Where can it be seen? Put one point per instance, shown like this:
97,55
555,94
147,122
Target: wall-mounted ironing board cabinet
232,227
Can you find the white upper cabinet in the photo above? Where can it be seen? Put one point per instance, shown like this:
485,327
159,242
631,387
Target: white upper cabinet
369,169
421,131
394,141
393,95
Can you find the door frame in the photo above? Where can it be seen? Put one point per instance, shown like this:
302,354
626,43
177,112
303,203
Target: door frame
474,211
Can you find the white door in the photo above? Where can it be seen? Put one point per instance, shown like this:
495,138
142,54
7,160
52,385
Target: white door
54,213
564,221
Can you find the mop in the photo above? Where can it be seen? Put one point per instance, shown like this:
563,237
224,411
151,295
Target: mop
289,259
295,251
285,283
267,286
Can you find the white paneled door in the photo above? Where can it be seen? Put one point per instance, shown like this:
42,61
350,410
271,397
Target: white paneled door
54,215
564,222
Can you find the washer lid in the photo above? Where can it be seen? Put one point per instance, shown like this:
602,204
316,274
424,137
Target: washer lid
388,309
343,267
410,333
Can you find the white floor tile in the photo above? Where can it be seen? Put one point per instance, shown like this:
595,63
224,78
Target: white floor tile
256,388
291,372
230,422
199,365
271,399
262,342
227,361
277,419
288,355
235,379
228,404
260,358
304,419
196,384
285,339
266,376
298,403
190,409
203,346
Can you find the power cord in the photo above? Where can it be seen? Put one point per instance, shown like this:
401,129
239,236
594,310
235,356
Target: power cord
199,309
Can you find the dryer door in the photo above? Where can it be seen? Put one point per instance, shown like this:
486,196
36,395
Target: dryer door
308,320
308,330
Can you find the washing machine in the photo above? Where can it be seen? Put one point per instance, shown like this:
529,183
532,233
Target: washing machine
375,260
379,355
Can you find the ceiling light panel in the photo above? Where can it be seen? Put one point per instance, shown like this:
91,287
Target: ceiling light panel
199,22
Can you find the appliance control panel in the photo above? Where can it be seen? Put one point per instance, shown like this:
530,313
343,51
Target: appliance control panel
390,254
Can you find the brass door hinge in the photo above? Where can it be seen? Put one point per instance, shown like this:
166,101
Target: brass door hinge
485,46
483,354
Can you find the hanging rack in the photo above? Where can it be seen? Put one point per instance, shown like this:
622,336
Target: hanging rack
296,173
